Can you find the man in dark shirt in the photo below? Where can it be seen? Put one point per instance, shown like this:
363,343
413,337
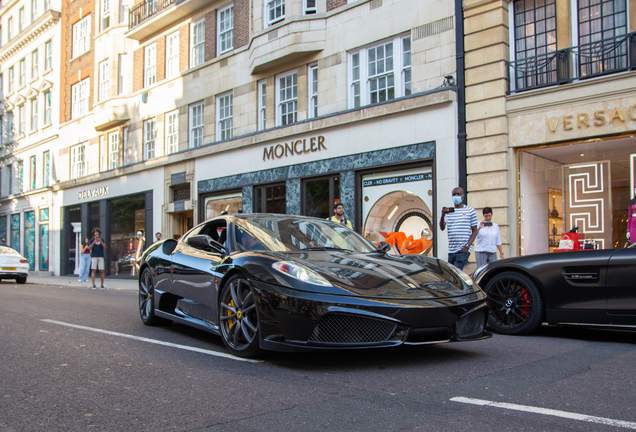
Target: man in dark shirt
97,248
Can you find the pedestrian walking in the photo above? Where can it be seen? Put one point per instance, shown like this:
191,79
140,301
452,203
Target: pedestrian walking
85,261
462,229
488,240
98,248
338,215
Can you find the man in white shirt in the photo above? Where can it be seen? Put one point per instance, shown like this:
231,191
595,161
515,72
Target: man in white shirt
488,240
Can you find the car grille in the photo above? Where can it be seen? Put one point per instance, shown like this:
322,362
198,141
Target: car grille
351,329
471,325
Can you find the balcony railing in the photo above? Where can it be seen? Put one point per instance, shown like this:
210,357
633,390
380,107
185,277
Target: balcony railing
147,10
603,57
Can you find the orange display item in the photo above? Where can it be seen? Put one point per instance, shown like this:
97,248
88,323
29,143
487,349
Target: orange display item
406,245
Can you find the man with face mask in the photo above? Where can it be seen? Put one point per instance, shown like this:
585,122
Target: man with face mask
462,229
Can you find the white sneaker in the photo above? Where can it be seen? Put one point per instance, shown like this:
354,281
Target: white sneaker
94,287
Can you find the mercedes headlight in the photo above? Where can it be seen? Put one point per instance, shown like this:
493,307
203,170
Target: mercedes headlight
301,273
461,275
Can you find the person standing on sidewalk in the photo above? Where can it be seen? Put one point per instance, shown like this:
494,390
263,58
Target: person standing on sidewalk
462,229
98,248
85,261
488,240
339,217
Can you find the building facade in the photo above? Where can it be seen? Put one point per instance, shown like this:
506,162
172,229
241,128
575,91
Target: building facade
29,66
173,112
551,102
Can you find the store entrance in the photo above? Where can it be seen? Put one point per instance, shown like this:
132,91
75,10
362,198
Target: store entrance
397,208
127,234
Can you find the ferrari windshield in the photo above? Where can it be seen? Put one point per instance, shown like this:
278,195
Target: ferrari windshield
281,234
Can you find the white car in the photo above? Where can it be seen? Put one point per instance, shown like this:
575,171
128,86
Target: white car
13,265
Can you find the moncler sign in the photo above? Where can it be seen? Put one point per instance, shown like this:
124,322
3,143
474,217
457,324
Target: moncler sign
93,192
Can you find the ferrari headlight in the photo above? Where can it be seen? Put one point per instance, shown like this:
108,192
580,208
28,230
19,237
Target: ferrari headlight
300,272
460,274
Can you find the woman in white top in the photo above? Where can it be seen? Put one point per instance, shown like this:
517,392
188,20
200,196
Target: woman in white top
488,240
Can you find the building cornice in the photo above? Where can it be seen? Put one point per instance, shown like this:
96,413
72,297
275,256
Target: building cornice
42,24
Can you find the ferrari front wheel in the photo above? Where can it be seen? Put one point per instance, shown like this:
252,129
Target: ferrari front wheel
239,318
515,304
147,300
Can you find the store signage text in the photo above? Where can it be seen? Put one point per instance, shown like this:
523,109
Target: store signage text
599,118
399,179
291,148
93,192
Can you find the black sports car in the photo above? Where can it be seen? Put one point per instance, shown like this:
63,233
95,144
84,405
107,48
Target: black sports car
585,287
289,283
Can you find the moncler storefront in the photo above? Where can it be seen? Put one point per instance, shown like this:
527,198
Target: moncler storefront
581,178
126,209
388,172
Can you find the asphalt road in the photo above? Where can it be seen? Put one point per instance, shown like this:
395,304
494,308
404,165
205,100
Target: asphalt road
98,377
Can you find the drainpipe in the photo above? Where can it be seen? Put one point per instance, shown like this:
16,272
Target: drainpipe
461,93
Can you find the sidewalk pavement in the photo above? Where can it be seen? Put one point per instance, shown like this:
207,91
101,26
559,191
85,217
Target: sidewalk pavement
129,284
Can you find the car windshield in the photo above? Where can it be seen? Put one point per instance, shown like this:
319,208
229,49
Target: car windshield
282,234
8,251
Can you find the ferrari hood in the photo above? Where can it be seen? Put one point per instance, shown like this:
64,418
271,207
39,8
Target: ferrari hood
377,275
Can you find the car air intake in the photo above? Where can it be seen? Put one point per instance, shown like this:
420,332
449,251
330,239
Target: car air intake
471,325
351,329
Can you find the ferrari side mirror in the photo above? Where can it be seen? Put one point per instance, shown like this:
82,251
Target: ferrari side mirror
384,247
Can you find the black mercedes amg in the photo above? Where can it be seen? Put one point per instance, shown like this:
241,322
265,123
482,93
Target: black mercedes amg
293,283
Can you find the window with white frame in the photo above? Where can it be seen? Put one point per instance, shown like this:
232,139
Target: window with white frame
149,139
309,7
105,14
196,125
34,114
78,161
406,65
21,19
286,98
48,55
122,75
34,65
113,150
35,13
10,33
81,35
262,104
224,117
22,72
150,65
172,132
172,55
11,79
22,126
226,29
47,107
79,96
312,106
123,11
103,80
380,73
33,172
197,43
274,11
124,135
47,5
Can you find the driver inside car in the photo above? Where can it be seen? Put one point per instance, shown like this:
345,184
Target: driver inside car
246,242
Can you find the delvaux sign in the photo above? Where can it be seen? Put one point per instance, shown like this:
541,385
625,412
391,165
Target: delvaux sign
91,193
298,147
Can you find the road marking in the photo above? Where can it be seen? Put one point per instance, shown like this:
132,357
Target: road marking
546,411
153,341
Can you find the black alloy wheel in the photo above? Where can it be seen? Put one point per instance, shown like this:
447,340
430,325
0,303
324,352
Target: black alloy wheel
514,303
147,300
239,318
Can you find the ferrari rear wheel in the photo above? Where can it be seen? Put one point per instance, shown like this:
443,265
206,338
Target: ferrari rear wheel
239,318
515,304
147,300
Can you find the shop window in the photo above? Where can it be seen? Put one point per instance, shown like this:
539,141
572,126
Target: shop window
286,98
29,238
380,73
74,216
226,29
15,231
270,199
319,196
44,239
3,228
128,217
581,188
